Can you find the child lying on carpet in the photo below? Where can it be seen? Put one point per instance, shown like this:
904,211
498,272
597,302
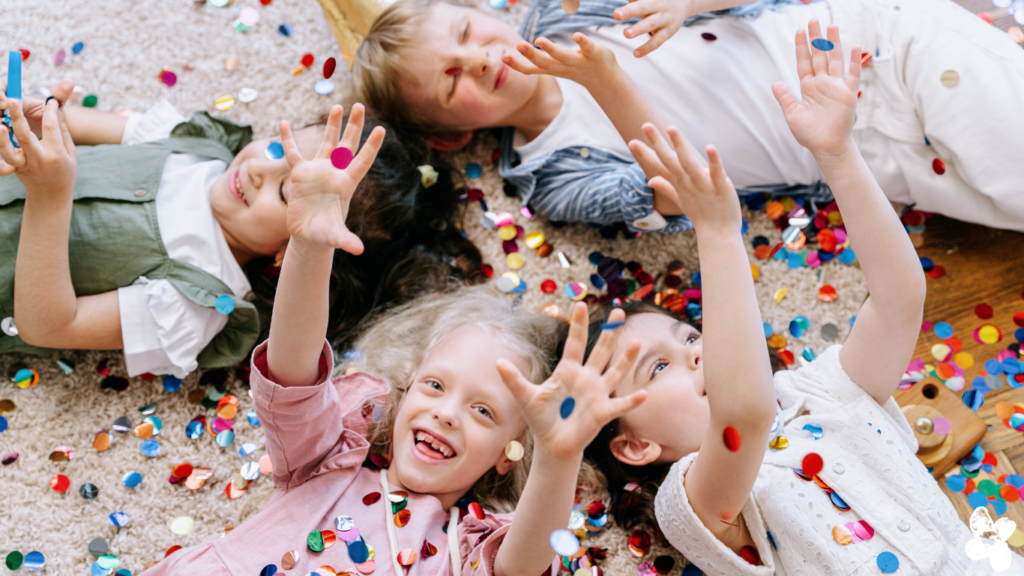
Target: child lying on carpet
938,121
842,453
453,410
145,249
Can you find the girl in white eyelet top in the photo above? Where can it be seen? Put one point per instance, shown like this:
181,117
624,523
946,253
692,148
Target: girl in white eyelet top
728,503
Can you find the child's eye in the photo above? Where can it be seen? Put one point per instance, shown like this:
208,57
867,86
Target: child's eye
483,411
692,338
658,367
465,32
281,192
434,385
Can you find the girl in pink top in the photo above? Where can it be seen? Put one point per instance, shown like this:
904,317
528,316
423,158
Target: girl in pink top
453,409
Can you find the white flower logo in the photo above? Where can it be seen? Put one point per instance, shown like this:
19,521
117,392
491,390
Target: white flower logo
990,539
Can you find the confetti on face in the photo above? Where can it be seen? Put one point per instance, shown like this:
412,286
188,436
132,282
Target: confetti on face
453,71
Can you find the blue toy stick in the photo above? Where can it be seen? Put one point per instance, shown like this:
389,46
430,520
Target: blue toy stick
13,89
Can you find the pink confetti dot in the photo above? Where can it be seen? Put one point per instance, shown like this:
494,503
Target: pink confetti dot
341,157
941,425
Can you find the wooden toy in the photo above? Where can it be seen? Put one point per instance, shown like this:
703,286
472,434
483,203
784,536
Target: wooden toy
928,400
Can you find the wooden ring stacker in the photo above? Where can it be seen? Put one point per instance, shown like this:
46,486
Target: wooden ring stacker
930,399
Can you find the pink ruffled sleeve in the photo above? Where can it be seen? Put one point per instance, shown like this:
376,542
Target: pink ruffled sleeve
314,429
479,541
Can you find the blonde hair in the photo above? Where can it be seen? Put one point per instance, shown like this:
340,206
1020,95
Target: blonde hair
378,67
394,346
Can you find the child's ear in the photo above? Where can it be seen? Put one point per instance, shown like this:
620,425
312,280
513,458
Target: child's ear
504,466
634,451
449,141
279,256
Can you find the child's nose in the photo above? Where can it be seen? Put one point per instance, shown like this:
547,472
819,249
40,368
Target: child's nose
696,353
478,63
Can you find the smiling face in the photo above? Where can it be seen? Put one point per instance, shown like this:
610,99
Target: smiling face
670,367
458,80
456,416
249,200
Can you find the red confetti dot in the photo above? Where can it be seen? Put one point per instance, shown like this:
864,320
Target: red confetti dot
307,60
172,550
329,67
937,272
732,439
25,54
913,218
939,166
983,311
371,498
548,286
787,357
775,249
1018,319
477,511
59,483
812,464
985,16
749,553
709,36
865,57
487,270
148,377
475,194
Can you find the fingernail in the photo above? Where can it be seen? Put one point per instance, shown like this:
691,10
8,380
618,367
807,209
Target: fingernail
636,53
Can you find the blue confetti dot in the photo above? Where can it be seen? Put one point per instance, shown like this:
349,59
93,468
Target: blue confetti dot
123,572
119,519
759,241
1016,420
474,170
839,502
823,44
224,304
597,281
993,367
225,438
888,562
3,423
794,260
772,540
34,561
358,552
847,256
612,325
172,383
194,430
1019,334
269,569
756,201
253,419
151,448
77,48
693,311
768,330
943,330
274,151
1015,480
696,279
852,320
520,288
980,386
808,354
1011,366
927,264
956,483
285,29
744,228
595,258
999,506
815,430
97,570
567,407
825,256
131,479
692,570
973,399
927,142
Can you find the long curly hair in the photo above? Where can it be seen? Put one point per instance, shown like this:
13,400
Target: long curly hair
412,236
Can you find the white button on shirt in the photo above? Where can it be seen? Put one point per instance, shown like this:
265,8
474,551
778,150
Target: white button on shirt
163,331
869,455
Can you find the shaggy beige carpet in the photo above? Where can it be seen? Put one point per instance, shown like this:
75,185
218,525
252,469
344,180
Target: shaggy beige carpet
126,45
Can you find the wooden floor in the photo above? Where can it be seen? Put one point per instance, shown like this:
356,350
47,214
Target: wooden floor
982,265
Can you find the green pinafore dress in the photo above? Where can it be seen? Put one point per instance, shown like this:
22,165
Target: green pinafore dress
115,238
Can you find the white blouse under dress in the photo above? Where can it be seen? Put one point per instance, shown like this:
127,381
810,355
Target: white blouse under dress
869,460
163,331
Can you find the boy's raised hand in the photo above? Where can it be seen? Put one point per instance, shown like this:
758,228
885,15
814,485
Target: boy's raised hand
47,167
661,18
319,196
705,193
822,121
589,385
591,62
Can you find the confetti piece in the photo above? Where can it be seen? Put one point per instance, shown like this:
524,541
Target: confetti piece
812,464
732,439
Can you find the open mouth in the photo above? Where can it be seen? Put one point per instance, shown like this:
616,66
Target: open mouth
502,74
431,446
235,186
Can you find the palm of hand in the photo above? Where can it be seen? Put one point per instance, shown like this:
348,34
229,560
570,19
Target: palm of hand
565,437
824,118
318,202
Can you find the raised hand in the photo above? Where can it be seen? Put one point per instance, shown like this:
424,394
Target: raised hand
822,121
589,386
591,62
33,106
46,168
705,193
319,196
661,19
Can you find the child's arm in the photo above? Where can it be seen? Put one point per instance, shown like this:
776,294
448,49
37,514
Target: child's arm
593,66
318,203
46,310
87,127
740,394
883,338
663,18
548,497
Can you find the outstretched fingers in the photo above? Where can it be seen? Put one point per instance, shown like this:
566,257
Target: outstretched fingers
718,176
576,343
787,101
291,150
602,351
617,373
835,56
853,78
354,130
367,154
618,407
514,380
519,63
332,132
804,68
819,58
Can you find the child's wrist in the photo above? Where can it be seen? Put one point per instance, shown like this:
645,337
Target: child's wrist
836,157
